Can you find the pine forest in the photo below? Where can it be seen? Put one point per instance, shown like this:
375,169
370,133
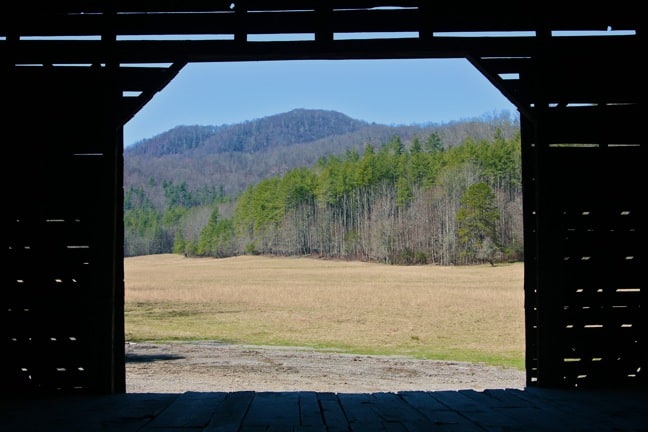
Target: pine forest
411,199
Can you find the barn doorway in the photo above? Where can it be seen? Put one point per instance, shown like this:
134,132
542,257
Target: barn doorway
404,333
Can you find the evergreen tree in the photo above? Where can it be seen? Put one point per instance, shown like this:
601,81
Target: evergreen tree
476,223
179,244
433,143
216,238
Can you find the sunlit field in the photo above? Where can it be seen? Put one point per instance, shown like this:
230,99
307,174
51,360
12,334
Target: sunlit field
471,313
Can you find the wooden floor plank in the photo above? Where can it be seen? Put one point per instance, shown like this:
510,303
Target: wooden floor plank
506,397
230,412
510,410
311,428
479,409
310,413
526,415
393,409
360,412
279,410
118,412
332,413
548,409
190,410
133,412
597,410
363,413
441,416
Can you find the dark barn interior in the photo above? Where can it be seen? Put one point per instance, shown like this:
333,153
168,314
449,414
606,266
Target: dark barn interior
73,73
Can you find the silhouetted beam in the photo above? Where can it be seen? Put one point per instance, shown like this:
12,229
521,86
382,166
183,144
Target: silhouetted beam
580,78
221,23
492,69
285,22
614,124
511,11
202,5
506,65
129,79
148,81
596,87
147,51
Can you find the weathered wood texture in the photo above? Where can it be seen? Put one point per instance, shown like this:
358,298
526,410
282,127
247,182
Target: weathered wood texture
412,411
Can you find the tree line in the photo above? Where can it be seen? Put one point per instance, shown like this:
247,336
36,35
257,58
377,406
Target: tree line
401,203
231,157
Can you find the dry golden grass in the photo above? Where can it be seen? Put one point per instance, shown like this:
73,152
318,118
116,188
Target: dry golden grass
457,313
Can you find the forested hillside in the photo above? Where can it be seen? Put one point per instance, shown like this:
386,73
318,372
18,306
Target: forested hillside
317,182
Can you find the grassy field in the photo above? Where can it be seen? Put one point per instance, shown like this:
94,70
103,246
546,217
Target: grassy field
449,313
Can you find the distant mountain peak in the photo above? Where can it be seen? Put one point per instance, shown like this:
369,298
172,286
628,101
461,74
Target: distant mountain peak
299,125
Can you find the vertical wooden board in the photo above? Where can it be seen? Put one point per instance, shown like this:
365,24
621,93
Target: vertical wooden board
529,155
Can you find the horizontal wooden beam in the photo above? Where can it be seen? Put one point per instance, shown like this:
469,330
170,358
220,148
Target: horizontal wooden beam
613,124
169,51
295,17
505,10
142,79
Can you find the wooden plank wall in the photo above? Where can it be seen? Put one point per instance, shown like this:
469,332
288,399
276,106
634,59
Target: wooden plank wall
61,312
586,223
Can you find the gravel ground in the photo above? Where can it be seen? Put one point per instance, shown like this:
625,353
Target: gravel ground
207,367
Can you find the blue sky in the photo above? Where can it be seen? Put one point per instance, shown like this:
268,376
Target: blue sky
381,91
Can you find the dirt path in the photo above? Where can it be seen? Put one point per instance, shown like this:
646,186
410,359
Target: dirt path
174,368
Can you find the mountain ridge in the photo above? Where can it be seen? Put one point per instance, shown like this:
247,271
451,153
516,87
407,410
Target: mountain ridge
231,157
297,126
